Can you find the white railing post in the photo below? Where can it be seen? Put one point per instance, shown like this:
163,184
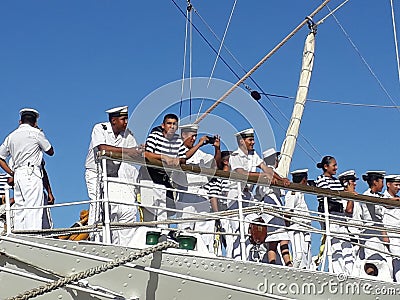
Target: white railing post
106,204
241,223
328,248
8,208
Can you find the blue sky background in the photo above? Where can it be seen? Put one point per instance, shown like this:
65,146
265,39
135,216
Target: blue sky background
72,60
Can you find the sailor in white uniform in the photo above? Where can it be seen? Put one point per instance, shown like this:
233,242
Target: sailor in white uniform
25,146
245,161
300,238
391,219
111,136
197,201
372,215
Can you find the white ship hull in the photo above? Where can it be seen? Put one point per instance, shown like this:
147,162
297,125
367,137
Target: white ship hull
30,262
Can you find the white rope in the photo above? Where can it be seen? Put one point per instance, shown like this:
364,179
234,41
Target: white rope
92,271
190,57
184,56
222,42
395,40
331,13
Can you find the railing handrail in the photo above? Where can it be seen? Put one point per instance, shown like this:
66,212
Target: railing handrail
250,179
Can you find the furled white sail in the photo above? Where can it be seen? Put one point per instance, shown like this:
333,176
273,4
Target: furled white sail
301,96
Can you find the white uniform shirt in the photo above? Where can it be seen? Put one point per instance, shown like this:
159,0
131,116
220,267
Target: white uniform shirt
296,201
203,160
102,134
248,162
391,217
25,145
370,214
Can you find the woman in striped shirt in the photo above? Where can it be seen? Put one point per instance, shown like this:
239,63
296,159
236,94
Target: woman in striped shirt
341,249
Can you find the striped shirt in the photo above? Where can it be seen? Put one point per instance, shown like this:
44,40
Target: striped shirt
218,187
157,143
3,182
331,183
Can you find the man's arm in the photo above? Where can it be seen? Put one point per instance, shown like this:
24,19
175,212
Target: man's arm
132,151
47,187
50,152
170,161
6,168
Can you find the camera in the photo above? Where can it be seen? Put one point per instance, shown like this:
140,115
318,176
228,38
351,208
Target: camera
211,140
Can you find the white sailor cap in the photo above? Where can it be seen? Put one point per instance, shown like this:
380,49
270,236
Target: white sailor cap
120,111
245,133
269,152
377,174
29,111
189,128
300,173
348,175
392,178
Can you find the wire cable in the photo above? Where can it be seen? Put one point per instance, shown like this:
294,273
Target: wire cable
395,39
222,41
336,102
364,60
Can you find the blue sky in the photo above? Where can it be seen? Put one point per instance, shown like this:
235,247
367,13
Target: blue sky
72,60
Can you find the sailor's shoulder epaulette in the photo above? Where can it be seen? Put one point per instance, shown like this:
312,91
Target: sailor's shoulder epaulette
104,126
234,154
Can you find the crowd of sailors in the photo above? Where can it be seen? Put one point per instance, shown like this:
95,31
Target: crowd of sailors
282,238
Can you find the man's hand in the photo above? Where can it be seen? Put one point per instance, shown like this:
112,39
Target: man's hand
217,142
135,151
10,181
50,198
203,140
170,161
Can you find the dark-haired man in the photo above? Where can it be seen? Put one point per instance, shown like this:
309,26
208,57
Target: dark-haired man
25,146
167,147
113,136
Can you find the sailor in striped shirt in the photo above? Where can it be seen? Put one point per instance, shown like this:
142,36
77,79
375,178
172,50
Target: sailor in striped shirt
342,260
167,147
328,165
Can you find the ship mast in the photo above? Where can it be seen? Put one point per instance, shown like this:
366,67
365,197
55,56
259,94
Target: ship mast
293,130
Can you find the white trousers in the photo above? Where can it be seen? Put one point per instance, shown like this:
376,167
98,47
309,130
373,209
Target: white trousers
301,249
28,192
95,212
342,251
154,195
191,204
395,249
122,213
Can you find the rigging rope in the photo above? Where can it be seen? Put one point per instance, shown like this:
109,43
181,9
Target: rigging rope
364,61
335,102
184,63
331,13
260,89
93,271
222,42
395,40
190,56
261,62
245,71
